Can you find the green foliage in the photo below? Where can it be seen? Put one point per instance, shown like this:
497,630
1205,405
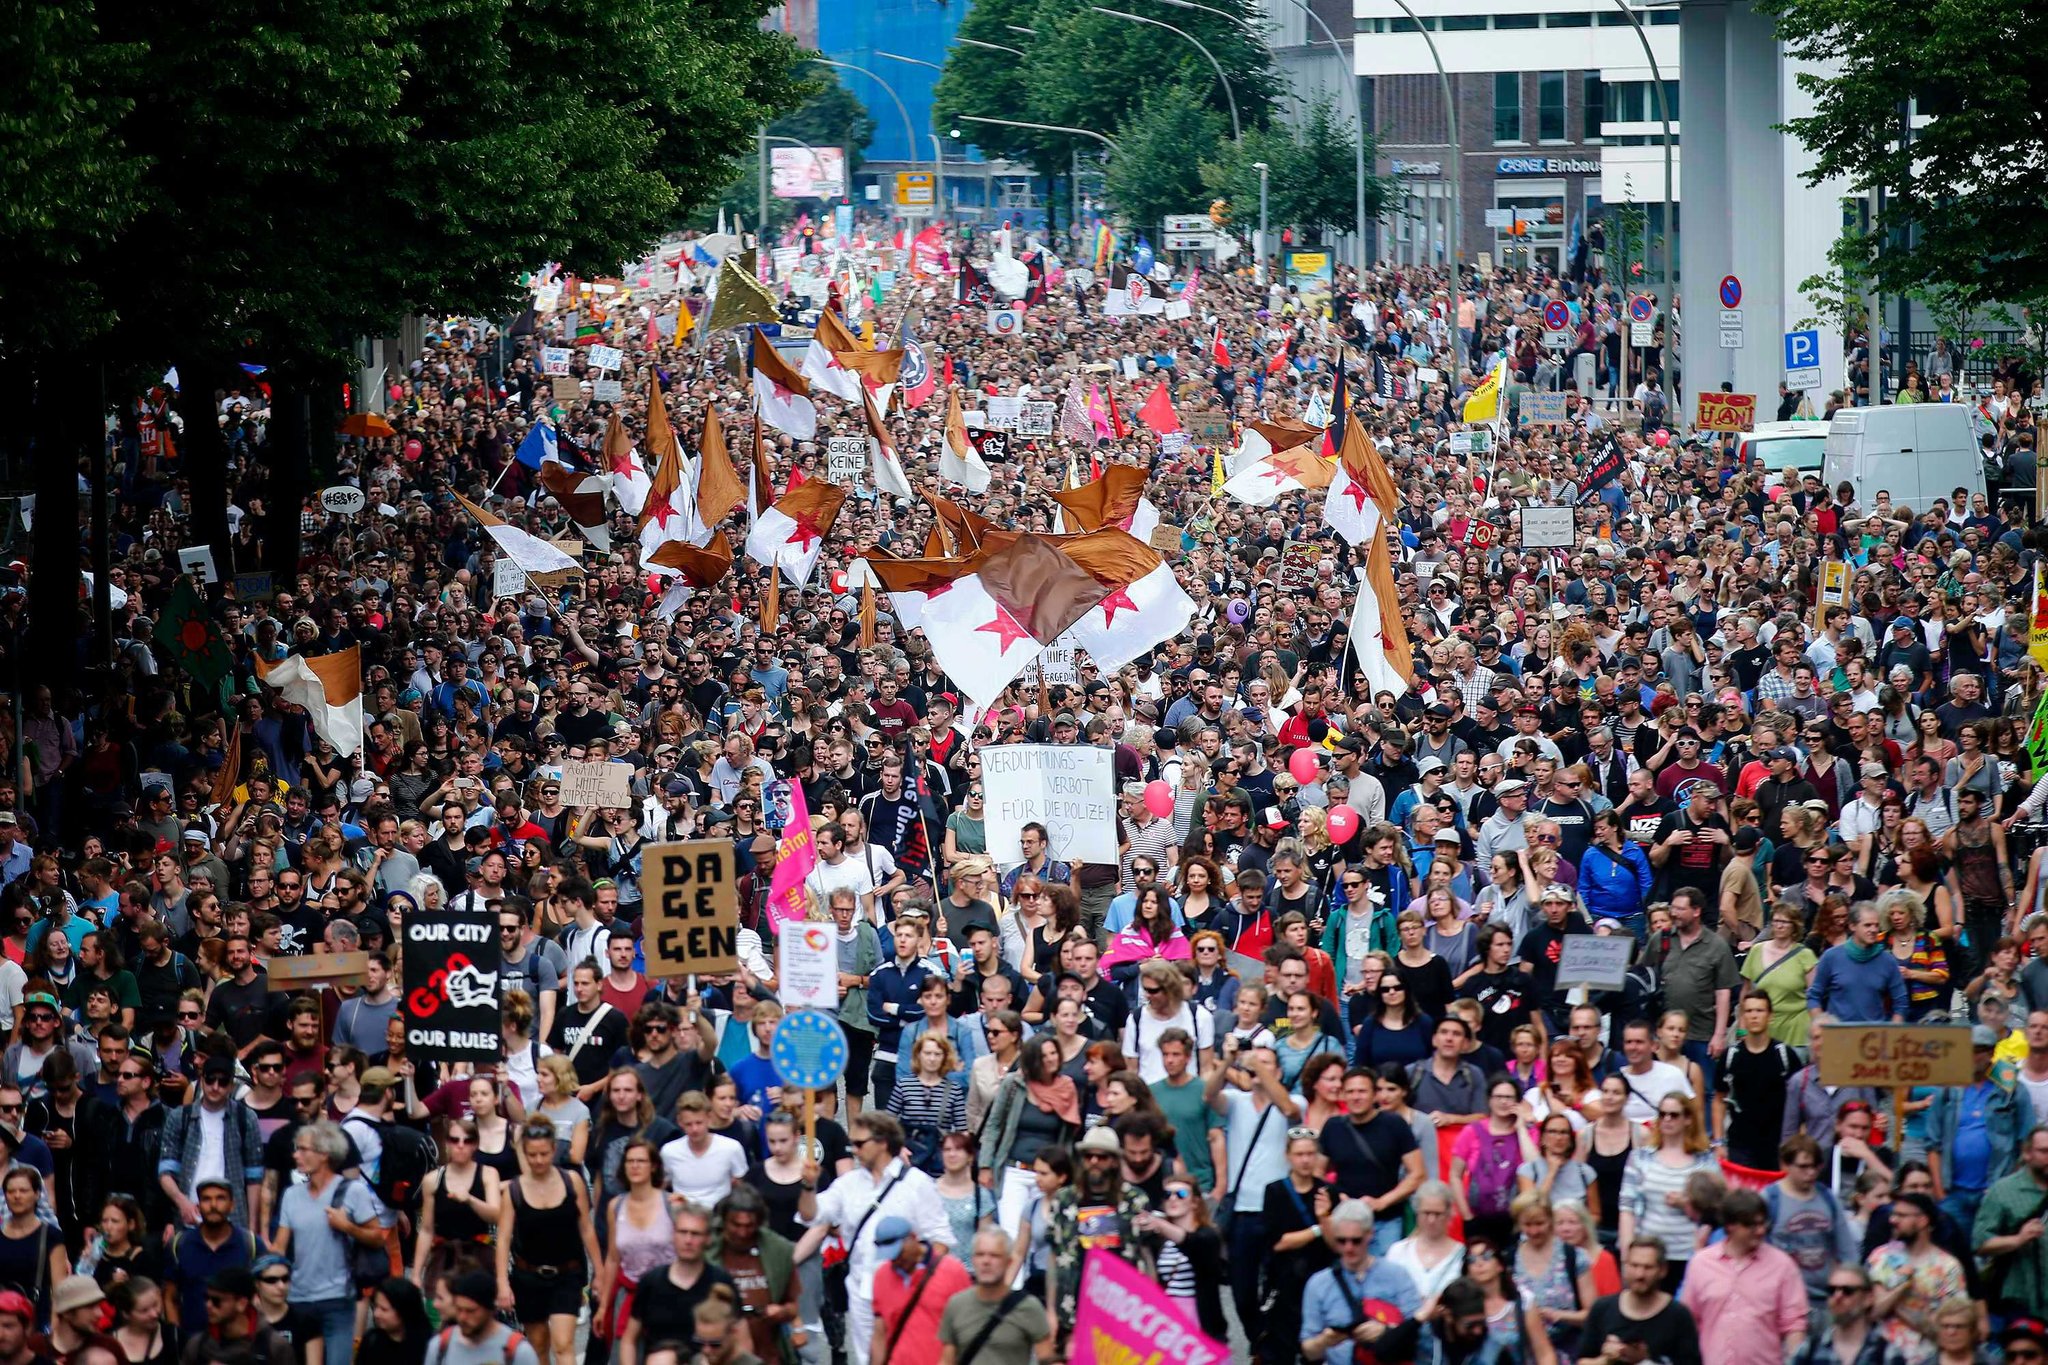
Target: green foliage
1968,183
1311,175
1157,166
979,81
1839,293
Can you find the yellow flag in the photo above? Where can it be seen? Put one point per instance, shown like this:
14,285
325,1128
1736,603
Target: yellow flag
1217,478
1483,403
741,298
2037,633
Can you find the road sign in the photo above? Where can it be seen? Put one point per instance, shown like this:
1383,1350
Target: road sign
1731,338
1191,241
914,188
1731,317
1189,222
1802,359
809,1050
1731,292
1641,308
1641,333
1557,315
1557,341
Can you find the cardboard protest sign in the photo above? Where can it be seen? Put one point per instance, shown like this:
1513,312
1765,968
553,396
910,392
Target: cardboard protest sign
312,970
1068,788
597,784
846,459
1885,1056
451,1007
1596,960
1726,412
691,908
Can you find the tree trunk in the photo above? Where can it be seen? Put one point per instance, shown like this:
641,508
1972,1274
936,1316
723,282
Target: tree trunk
206,457
66,421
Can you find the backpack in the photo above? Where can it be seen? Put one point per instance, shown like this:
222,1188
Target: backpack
1492,1182
513,1341
369,1263
407,1157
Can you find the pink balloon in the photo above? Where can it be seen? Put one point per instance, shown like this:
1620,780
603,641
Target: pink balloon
1304,767
1343,823
1159,799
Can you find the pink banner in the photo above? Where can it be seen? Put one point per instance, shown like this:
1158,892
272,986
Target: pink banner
1124,1318
788,897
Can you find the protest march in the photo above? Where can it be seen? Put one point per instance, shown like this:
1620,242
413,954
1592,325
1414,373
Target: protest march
942,794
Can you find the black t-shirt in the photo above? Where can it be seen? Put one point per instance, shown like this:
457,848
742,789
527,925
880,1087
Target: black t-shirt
1289,1210
303,928
1365,1158
1505,1002
1697,864
667,1313
1541,948
1755,1084
1670,1335
594,1059
241,1010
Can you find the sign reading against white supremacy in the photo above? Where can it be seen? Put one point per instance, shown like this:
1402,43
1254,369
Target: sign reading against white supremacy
691,915
846,458
1068,788
597,784
451,1009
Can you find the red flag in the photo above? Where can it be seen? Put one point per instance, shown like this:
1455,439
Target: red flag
1117,429
1279,360
946,373
1219,348
1158,412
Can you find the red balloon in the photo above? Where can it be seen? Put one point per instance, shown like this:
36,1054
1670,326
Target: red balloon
1159,799
1343,823
1303,766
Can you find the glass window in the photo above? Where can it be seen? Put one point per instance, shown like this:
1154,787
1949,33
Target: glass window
1516,20
1581,20
1462,23
1593,100
1507,106
1662,18
1550,106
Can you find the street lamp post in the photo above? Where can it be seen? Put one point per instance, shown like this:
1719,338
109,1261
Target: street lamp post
1666,278
1102,138
938,151
992,47
1259,260
909,129
1229,95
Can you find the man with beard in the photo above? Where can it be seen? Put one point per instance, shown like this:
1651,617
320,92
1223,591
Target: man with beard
1098,1211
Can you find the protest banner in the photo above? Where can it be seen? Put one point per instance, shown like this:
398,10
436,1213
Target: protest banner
1004,412
554,360
1059,665
254,587
1605,468
606,358
1124,1315
507,580
1069,789
1036,418
197,560
807,967
1725,412
1210,426
452,1008
846,459
597,784
691,917
607,391
1890,1056
1596,960
1543,409
566,390
311,970
789,897
1298,560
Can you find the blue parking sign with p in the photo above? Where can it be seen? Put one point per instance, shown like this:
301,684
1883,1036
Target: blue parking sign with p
1802,349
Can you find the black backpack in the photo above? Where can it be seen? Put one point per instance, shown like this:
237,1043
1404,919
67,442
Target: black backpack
407,1157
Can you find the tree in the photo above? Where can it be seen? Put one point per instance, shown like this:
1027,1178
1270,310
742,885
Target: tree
1311,175
1967,181
1156,168
831,117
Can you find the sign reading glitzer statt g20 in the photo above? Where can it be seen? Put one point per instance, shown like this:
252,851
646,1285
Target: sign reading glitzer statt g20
451,998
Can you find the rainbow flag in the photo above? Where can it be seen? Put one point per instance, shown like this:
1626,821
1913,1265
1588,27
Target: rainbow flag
1105,246
589,329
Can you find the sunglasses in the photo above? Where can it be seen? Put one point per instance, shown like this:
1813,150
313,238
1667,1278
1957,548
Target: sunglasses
194,1015
283,1277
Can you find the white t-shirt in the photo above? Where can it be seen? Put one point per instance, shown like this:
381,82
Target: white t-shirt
213,1146
1142,1030
852,874
708,1178
1252,1168
1645,1090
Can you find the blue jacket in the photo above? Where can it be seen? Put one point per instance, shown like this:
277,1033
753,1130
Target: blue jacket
1615,887
1872,992
2007,1118
890,984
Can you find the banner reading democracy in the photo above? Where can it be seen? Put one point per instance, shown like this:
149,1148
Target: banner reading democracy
1125,1318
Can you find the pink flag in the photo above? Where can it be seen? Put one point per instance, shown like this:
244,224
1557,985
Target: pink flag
1122,1315
1187,292
1098,412
789,895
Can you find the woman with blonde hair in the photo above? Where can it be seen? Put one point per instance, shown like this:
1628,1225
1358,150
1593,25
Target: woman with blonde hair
1653,1183
1166,1006
522,1052
930,1103
560,1106
1920,955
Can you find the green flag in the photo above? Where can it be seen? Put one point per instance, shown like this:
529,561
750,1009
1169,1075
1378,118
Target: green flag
191,636
2037,735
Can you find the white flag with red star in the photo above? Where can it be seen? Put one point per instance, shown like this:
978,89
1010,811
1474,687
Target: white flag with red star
1134,618
790,534
826,371
1348,508
781,396
1264,481
1369,641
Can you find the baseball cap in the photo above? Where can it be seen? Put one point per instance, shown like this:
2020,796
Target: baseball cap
1275,818
1788,754
1875,770
889,1235
1448,835
1556,891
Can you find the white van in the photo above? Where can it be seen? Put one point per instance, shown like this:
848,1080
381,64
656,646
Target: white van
1774,447
1917,453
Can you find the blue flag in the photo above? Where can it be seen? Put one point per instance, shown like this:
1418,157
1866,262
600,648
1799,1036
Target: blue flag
538,447
1141,259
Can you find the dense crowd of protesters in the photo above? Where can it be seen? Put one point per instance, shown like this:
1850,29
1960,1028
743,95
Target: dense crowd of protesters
1301,1055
